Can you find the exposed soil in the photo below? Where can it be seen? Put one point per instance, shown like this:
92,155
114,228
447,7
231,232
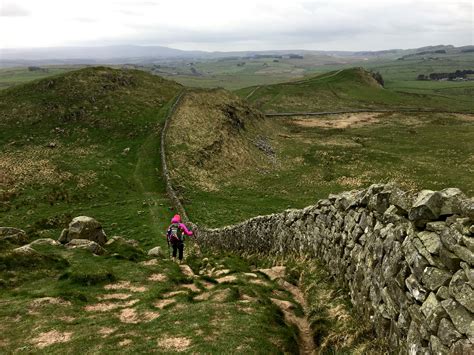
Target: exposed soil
163,303
108,306
125,285
177,344
115,296
339,121
52,337
158,277
106,331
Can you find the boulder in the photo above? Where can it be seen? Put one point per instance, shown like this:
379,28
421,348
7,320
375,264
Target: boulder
13,235
84,227
44,241
89,245
156,252
25,250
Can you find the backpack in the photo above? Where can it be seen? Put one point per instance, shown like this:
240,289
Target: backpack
175,234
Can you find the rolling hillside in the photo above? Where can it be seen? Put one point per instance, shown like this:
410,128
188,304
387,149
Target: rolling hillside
344,89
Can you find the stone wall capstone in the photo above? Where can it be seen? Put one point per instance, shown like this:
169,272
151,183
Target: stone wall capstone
407,259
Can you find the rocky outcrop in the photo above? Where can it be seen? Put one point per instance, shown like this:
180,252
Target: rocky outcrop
13,235
84,227
407,259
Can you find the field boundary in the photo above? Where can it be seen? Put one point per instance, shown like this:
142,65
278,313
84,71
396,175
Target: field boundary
164,165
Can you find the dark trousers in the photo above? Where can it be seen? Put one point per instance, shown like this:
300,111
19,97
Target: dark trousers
178,246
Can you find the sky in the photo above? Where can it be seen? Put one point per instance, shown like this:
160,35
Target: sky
223,25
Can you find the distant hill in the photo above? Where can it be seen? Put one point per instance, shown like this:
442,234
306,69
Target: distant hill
346,89
122,54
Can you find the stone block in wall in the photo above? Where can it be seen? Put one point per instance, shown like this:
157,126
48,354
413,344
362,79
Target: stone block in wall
461,290
450,237
469,271
415,288
443,293
449,260
431,241
447,333
437,226
462,319
464,254
437,347
433,278
461,347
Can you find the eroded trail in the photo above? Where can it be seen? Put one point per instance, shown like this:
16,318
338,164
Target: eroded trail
305,342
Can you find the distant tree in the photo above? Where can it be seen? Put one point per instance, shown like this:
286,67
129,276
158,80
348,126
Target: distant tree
33,68
421,77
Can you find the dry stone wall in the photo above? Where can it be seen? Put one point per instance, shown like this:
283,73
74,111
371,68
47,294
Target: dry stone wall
407,260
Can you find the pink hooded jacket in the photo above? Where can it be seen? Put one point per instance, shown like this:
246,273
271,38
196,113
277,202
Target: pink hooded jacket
177,219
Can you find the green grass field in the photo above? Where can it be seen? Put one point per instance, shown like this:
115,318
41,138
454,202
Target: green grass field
88,143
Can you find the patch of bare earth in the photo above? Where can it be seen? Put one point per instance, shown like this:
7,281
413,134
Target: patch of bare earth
106,331
465,117
191,287
177,344
274,272
174,293
151,262
115,296
125,342
157,277
52,337
125,285
163,303
38,303
108,306
129,316
339,121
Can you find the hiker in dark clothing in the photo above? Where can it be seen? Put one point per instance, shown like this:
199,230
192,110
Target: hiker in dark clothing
175,235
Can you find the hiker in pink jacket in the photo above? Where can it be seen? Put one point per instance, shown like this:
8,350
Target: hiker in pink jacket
175,236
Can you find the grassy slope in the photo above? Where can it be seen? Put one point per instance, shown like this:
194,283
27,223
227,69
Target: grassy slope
92,115
417,151
345,89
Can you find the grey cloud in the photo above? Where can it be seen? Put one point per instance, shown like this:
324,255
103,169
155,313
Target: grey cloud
12,10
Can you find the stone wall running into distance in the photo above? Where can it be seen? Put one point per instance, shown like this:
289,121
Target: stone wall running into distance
406,259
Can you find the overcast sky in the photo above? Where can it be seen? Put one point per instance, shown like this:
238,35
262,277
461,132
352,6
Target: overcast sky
237,24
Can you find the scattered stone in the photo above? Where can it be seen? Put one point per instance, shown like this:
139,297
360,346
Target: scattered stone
227,279
44,241
186,270
13,235
437,347
284,305
174,293
25,250
191,287
125,151
89,245
221,272
156,252
84,227
132,242
250,274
